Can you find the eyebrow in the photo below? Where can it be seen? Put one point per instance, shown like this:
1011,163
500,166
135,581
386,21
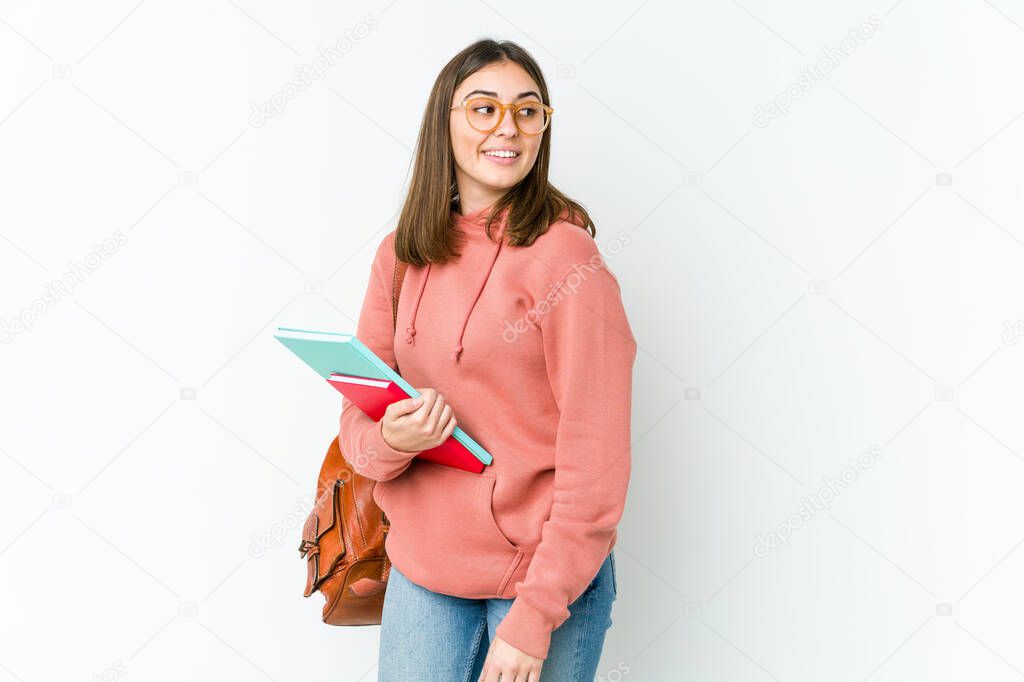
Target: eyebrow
495,95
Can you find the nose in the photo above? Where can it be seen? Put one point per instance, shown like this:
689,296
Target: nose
507,127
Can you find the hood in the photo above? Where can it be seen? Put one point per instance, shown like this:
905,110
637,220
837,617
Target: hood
473,226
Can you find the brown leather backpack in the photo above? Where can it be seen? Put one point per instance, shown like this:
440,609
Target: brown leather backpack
343,537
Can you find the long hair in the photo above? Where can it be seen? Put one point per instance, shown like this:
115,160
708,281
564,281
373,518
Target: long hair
424,232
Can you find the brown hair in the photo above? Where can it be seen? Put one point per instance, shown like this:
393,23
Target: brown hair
424,232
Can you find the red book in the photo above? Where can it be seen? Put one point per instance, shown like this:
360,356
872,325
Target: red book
373,396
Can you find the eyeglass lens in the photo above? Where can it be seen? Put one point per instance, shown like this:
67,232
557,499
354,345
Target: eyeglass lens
484,113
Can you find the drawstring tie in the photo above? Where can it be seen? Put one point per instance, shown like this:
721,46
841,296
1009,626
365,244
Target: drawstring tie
410,331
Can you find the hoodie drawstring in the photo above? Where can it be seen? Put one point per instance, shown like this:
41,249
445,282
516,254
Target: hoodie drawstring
458,346
457,350
410,331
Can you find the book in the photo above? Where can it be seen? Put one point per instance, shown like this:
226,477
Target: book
373,396
330,353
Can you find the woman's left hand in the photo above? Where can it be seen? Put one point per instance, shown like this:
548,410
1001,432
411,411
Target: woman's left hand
512,664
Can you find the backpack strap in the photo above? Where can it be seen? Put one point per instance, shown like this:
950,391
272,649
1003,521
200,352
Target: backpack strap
396,289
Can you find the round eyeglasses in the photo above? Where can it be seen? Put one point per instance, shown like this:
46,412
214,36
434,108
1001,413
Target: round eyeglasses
485,114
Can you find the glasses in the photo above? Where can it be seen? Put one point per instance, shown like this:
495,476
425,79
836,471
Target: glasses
485,114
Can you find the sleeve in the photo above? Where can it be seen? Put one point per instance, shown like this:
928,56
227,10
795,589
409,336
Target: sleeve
589,351
360,438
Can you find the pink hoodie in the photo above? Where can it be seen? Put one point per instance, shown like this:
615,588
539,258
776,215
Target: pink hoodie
542,379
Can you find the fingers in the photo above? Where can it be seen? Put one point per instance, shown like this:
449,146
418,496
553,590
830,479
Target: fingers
407,406
436,413
425,401
434,410
449,428
429,415
439,415
493,672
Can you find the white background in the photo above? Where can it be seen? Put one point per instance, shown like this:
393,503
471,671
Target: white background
846,277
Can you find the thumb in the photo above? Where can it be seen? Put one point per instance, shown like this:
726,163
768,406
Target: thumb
403,407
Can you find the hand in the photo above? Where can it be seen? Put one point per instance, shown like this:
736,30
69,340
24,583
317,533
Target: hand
510,663
417,424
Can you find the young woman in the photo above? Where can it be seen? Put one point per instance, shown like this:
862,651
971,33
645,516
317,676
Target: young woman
512,322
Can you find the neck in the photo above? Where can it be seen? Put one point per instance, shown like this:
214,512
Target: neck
473,198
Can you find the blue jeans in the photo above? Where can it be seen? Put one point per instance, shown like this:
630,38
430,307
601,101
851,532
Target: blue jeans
435,637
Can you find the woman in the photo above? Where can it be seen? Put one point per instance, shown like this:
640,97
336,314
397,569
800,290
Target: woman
516,328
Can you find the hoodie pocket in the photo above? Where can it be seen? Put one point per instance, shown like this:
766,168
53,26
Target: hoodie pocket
443,532
487,508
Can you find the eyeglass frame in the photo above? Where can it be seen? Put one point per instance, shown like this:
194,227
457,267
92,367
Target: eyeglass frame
504,107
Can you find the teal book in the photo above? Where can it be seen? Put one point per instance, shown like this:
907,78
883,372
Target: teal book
330,353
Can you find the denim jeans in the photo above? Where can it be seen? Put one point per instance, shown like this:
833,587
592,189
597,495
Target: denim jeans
431,637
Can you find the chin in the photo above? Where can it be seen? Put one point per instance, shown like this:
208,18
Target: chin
498,180
504,184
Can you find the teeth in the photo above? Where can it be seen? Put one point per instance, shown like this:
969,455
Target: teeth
504,155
